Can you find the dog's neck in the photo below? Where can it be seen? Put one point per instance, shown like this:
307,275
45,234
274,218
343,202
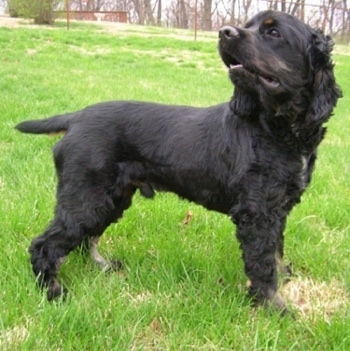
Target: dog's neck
245,105
249,105
288,119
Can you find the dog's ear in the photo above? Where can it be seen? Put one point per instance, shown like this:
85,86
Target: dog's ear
325,91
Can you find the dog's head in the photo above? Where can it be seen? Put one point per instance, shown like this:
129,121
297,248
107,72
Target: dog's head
281,64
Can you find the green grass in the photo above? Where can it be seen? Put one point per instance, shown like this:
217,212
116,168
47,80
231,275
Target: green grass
184,286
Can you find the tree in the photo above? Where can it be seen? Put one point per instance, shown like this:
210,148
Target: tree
12,8
42,11
207,23
233,12
183,14
149,13
159,13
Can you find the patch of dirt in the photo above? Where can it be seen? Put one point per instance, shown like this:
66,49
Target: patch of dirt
10,22
13,336
83,51
311,298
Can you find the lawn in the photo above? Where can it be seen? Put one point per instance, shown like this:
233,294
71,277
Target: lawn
183,287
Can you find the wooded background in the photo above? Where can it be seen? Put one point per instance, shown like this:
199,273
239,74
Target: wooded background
333,16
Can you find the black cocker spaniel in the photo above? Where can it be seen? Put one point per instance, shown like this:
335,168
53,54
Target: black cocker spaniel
250,158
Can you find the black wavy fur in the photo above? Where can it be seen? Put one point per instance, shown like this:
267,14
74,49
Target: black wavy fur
250,158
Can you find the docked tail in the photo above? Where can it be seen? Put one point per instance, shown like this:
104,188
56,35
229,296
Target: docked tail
51,125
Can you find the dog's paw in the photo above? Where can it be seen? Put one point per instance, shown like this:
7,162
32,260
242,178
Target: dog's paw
271,301
56,291
114,266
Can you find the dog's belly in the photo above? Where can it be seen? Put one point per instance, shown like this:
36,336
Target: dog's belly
203,190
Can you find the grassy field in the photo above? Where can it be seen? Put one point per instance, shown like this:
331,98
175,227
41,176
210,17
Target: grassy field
183,287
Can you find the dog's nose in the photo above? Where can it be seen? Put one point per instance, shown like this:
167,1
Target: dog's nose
228,32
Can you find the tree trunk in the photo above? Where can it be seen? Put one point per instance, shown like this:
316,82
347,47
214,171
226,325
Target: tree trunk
325,14
149,13
297,8
346,22
331,5
207,24
139,11
246,7
183,15
90,5
283,6
159,13
302,10
233,13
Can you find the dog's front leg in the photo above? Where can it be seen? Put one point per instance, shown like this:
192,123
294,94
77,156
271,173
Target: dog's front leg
258,236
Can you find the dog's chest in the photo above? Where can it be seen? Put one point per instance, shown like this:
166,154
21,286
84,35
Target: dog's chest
280,163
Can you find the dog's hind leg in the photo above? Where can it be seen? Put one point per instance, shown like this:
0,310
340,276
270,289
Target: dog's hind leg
48,252
72,225
96,256
102,262
91,243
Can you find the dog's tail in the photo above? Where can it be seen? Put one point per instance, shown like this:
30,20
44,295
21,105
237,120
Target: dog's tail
52,125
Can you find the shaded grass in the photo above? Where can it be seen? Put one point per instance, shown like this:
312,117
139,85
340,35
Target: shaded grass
183,287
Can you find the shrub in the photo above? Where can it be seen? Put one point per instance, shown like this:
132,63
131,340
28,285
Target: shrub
42,11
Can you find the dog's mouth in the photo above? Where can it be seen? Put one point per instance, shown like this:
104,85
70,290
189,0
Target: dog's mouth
236,66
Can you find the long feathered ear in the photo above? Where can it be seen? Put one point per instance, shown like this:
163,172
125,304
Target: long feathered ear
325,90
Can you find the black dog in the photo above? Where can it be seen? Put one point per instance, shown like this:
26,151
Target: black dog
250,158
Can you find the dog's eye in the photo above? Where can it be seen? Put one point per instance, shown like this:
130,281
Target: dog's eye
273,32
